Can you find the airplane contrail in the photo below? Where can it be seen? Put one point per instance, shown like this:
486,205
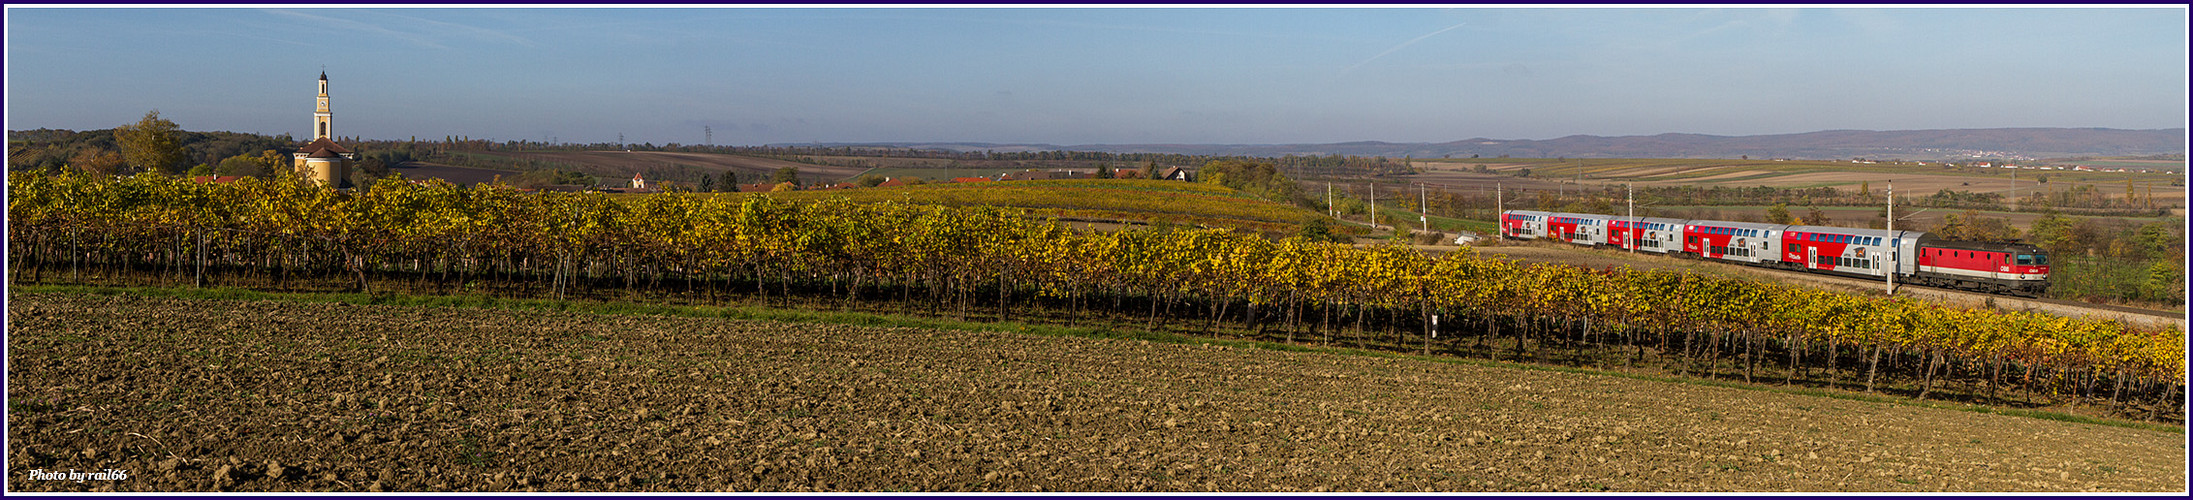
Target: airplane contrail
1399,47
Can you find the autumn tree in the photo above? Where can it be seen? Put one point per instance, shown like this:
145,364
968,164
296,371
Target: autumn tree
1779,214
731,181
152,144
1817,217
787,174
97,161
243,165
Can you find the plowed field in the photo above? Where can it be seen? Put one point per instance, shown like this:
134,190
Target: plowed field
280,396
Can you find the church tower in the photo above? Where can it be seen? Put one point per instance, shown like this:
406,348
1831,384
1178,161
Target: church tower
322,160
323,119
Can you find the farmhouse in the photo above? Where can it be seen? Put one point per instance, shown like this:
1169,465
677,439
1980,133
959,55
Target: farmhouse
1177,174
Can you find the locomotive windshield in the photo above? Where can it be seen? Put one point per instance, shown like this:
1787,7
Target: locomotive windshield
2033,260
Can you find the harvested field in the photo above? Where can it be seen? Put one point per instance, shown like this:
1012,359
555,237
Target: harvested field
278,396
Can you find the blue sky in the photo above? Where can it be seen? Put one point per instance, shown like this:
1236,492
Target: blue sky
1091,76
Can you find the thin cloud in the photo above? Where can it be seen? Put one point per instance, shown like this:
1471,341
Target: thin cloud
364,27
1403,45
482,32
414,36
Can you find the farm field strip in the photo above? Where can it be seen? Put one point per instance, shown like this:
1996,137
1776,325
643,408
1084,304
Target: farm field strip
368,398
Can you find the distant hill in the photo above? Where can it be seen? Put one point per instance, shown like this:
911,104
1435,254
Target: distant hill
2002,143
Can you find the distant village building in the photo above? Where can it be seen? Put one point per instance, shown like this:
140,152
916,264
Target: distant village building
1177,174
322,160
637,182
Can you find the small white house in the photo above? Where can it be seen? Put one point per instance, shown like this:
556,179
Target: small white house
638,183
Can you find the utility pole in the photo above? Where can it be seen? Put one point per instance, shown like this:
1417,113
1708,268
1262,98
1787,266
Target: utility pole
2013,190
1374,204
1423,214
1629,238
1330,210
1893,245
708,136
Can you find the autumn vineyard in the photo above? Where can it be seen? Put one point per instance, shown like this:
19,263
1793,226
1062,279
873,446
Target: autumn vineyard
987,262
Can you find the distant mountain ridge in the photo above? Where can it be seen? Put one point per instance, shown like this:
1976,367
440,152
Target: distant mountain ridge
1945,144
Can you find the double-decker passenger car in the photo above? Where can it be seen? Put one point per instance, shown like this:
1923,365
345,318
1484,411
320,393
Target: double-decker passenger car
1868,252
1745,242
1648,234
1523,224
1581,229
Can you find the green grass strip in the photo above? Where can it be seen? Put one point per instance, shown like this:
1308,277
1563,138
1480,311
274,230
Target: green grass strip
894,320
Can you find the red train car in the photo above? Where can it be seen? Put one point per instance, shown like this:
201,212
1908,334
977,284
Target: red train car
1523,224
1648,234
1744,242
2016,268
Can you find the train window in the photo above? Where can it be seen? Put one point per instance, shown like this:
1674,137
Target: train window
1793,247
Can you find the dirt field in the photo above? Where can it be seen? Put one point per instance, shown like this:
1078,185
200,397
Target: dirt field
266,396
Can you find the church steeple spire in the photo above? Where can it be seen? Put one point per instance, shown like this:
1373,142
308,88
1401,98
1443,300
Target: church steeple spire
322,118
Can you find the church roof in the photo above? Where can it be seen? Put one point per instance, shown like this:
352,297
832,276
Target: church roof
324,153
322,143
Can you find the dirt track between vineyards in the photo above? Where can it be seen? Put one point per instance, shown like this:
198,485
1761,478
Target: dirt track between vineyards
194,395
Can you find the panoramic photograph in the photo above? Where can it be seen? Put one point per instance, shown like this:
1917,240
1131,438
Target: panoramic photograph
1096,249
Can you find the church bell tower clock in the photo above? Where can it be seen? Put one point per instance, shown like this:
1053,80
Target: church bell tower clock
322,119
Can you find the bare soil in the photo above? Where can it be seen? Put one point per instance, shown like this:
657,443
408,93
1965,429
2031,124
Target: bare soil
213,395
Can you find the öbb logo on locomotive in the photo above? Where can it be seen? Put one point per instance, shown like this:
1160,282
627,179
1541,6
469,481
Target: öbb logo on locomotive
1915,257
